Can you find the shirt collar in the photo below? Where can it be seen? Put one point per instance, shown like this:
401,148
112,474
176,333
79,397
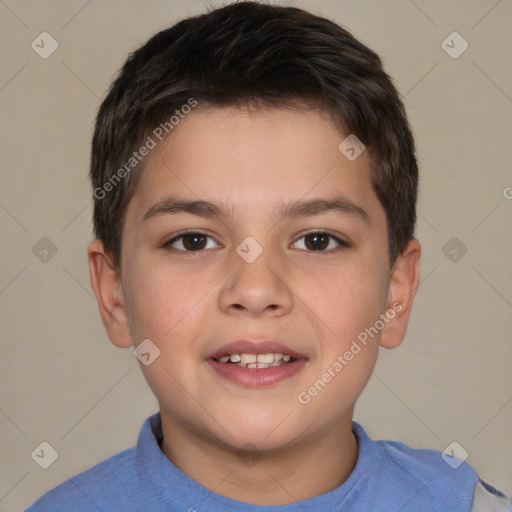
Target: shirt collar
160,476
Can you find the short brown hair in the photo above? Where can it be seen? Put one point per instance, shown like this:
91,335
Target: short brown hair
253,53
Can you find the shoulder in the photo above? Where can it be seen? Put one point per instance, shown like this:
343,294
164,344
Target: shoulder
447,482
107,482
118,483
423,479
435,469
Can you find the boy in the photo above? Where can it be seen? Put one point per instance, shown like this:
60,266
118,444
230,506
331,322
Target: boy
255,188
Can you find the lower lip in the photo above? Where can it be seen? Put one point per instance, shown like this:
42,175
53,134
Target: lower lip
257,377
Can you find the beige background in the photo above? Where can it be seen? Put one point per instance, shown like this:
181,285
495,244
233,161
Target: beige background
62,380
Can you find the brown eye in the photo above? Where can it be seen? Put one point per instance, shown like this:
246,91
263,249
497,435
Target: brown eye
317,241
320,241
189,242
194,242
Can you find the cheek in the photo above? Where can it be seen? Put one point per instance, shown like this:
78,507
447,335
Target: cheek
346,300
166,308
162,297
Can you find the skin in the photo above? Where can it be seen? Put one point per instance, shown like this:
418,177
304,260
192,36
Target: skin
316,302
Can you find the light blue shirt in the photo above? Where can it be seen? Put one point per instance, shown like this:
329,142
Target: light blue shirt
388,477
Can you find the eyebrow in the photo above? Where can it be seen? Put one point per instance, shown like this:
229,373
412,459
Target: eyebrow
299,208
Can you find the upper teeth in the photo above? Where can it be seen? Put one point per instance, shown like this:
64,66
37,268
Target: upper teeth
268,358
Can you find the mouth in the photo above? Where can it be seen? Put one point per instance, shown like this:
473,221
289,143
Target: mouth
268,360
256,364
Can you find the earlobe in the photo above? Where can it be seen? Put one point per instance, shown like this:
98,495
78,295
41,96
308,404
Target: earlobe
106,283
403,284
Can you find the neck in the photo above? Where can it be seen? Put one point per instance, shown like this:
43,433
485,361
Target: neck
278,477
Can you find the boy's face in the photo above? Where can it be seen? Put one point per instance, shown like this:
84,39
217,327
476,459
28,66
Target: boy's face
193,304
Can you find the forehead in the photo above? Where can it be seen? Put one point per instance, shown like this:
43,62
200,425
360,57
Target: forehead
253,160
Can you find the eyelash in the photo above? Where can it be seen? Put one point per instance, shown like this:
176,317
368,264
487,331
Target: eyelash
341,243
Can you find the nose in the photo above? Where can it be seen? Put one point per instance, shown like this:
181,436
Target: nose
256,288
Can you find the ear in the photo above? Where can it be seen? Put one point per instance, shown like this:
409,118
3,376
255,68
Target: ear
403,284
106,283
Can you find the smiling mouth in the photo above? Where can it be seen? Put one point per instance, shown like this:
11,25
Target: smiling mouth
259,370
256,361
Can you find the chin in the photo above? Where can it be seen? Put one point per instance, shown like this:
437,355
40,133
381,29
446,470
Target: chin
264,428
